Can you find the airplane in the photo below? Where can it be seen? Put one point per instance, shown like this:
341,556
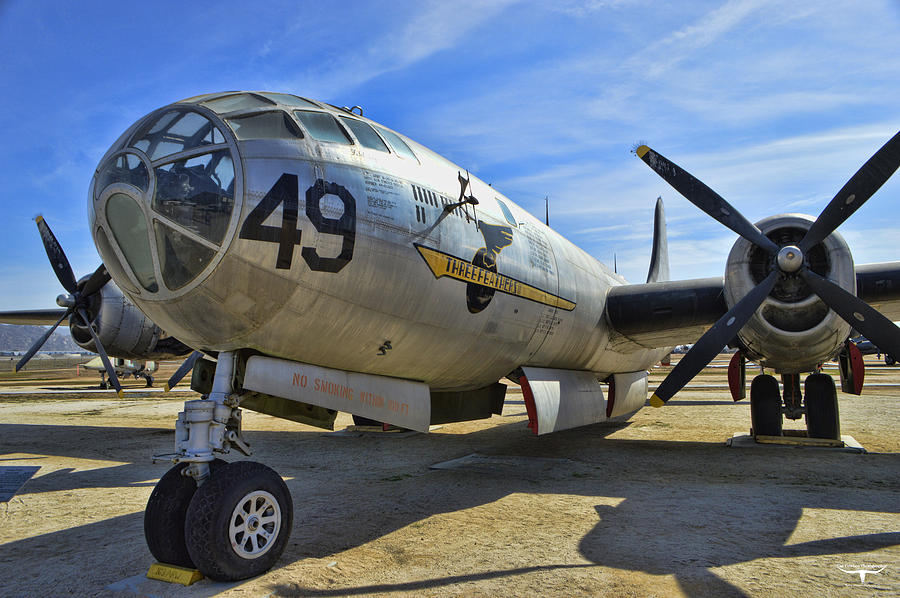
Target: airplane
103,318
136,368
323,262
866,347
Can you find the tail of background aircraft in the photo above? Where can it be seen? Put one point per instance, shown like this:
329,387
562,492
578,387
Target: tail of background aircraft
659,259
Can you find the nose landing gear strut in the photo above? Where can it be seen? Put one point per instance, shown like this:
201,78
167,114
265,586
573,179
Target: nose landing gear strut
229,520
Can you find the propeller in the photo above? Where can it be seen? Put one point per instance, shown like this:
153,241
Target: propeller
76,301
185,367
787,260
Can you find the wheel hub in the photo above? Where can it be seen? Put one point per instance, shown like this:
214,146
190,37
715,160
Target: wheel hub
255,524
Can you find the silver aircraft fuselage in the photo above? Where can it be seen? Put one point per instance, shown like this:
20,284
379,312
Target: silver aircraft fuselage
269,222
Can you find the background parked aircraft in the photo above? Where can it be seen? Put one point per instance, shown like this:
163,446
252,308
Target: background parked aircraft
123,368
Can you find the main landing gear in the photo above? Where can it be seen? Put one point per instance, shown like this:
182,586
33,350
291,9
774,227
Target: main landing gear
229,520
818,403
147,378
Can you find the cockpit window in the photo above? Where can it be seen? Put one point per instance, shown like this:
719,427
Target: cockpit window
398,144
176,132
238,101
124,168
129,227
365,134
288,100
322,126
507,214
205,96
181,259
197,193
111,261
265,125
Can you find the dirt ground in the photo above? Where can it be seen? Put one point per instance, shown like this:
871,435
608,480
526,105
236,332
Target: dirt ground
658,506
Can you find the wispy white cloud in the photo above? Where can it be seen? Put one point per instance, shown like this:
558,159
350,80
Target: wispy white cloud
773,104
409,33
662,56
583,8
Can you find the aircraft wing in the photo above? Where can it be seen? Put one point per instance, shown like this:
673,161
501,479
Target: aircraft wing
664,314
32,317
879,286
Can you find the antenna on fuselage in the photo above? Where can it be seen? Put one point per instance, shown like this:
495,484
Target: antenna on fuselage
463,198
615,265
547,210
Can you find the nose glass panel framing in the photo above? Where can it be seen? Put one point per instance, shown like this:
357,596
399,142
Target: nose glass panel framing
125,168
176,132
129,228
169,211
197,193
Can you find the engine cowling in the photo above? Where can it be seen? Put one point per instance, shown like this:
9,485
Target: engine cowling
123,329
793,331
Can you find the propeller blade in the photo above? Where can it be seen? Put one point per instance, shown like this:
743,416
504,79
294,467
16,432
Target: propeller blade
705,198
99,278
711,343
883,333
861,186
110,370
185,367
57,256
40,342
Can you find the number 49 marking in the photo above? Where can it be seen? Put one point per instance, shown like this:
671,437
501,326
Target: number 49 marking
285,192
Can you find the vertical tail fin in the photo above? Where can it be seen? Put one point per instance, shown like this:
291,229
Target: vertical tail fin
659,259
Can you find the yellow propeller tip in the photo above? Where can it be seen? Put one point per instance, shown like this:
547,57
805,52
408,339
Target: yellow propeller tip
38,218
121,394
641,151
167,388
655,401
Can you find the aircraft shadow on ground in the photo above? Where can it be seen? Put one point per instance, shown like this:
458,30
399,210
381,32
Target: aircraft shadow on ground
655,481
628,536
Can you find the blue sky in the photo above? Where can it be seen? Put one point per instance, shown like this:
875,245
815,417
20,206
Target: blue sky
773,104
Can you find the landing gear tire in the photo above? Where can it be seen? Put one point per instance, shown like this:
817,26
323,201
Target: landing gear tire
239,521
765,406
149,380
888,360
820,396
165,514
103,386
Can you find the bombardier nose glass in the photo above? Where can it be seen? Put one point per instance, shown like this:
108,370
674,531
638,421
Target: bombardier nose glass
172,202
125,168
176,132
193,191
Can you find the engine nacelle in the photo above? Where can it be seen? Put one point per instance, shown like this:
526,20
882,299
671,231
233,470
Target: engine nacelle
793,331
123,329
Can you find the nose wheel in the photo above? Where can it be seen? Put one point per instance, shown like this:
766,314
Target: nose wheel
238,522
165,513
234,526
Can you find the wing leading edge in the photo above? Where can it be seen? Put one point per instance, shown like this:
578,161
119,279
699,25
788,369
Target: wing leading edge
664,314
32,317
